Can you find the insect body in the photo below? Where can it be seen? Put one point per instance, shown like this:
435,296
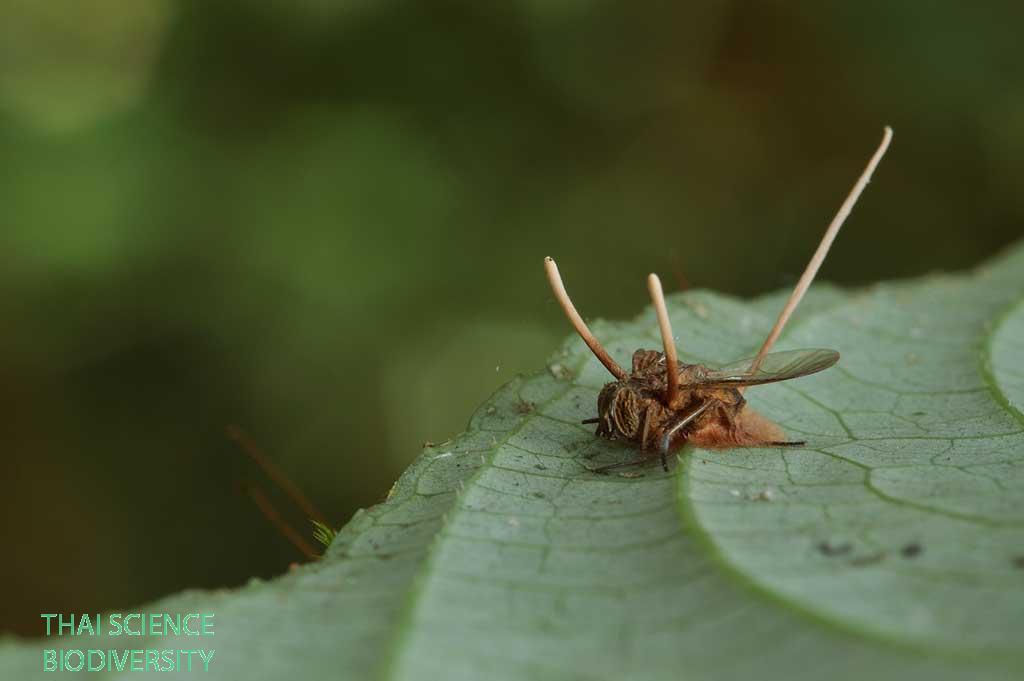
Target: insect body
662,403
709,410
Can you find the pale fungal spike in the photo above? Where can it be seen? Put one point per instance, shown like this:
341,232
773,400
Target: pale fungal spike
819,255
577,321
667,340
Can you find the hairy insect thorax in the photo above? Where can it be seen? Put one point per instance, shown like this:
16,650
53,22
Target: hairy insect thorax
632,409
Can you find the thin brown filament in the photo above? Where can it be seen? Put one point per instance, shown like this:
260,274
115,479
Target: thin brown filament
282,525
577,322
819,255
671,361
274,473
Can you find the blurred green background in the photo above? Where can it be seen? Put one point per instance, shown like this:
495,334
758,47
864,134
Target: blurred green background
324,222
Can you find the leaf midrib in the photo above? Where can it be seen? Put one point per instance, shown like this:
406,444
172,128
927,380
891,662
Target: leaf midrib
985,367
415,593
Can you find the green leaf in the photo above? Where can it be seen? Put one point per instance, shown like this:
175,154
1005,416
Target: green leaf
890,547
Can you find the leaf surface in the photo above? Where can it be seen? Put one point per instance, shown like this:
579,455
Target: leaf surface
890,547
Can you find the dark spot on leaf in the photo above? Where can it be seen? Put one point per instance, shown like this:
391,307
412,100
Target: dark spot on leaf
524,407
1018,562
911,550
827,548
919,413
540,466
539,495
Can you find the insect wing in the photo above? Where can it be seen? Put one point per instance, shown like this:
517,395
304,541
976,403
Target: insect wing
777,366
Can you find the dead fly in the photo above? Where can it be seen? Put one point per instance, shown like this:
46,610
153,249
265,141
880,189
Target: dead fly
663,403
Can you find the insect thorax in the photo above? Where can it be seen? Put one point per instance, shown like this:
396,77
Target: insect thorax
628,407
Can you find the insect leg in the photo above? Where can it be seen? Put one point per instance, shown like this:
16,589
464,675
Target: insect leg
646,429
623,464
670,432
634,462
791,443
666,440
596,419
681,422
